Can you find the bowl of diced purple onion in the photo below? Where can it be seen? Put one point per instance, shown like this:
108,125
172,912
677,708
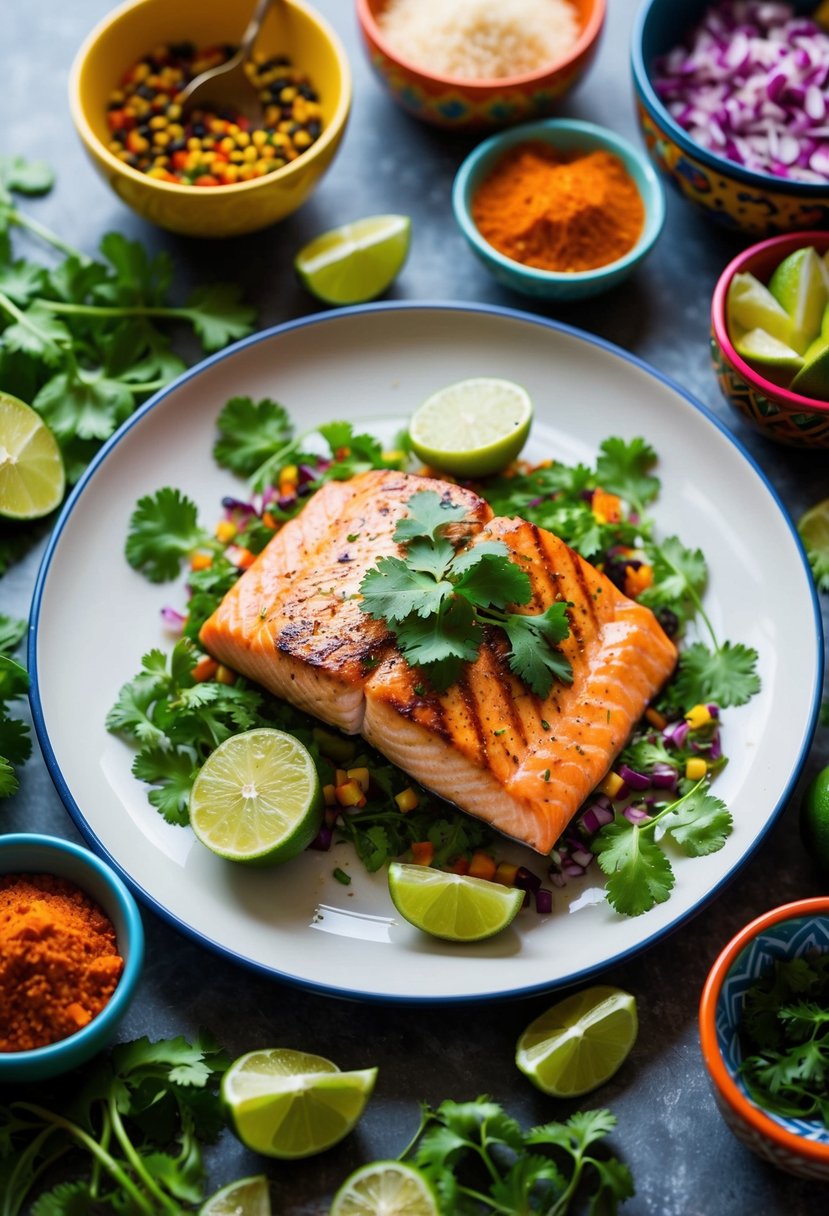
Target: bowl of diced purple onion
733,104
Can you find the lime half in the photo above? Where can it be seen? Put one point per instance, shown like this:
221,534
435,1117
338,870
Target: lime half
257,798
814,819
385,1188
799,286
247,1197
357,261
472,428
580,1042
750,305
813,528
288,1104
813,378
32,478
454,907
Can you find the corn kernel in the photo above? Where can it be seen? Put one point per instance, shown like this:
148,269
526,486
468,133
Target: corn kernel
225,530
302,139
259,138
696,768
193,144
361,776
407,800
698,716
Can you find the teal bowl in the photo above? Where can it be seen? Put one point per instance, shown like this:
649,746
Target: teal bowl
32,854
566,135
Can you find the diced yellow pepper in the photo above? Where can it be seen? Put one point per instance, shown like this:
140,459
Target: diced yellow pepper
611,785
407,800
696,768
698,716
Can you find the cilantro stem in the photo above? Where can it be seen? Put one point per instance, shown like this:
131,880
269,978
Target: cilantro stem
147,386
651,823
692,596
46,234
257,478
24,319
25,1172
562,1204
135,1160
96,1151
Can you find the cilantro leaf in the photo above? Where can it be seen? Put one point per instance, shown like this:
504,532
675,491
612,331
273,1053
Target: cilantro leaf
86,407
22,281
219,316
23,176
485,575
679,578
135,278
172,774
639,873
249,433
429,512
623,468
9,783
726,676
533,656
392,591
450,633
40,334
700,824
15,740
163,529
12,632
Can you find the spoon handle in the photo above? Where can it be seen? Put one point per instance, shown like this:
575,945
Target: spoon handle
253,27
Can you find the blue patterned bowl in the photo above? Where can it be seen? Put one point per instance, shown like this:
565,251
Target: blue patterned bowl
792,931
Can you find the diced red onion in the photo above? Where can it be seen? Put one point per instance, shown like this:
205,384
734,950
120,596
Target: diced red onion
635,814
572,870
595,817
715,749
322,840
675,733
636,781
172,618
526,880
557,879
751,86
581,857
543,901
664,777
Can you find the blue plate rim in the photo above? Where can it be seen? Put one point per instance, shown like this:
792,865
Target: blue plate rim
193,934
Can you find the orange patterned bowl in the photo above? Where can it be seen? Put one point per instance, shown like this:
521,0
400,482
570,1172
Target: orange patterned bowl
792,931
478,104
779,414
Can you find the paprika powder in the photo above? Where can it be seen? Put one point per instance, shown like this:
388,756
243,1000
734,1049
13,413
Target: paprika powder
559,211
59,963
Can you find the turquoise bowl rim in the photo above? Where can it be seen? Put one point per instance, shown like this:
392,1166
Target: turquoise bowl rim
565,133
40,854
811,191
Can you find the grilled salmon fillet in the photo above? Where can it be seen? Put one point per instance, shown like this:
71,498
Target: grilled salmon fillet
525,764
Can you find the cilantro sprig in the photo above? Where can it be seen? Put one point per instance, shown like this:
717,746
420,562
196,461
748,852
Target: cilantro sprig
438,598
639,872
785,1035
15,739
138,1118
480,1160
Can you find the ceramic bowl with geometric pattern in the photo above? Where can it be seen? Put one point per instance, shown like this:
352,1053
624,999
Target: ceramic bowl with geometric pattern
794,930
780,414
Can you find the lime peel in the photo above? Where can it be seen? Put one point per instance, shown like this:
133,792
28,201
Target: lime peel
385,1187
472,428
453,907
32,475
357,261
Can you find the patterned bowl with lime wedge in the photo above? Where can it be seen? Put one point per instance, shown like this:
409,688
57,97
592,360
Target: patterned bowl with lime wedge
781,414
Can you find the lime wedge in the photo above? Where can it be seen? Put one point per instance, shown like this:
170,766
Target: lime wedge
385,1188
813,527
798,285
32,479
288,1104
454,907
357,261
247,1197
813,378
750,305
472,428
257,798
580,1042
759,348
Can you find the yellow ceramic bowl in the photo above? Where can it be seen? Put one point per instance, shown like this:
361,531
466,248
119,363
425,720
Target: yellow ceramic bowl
132,30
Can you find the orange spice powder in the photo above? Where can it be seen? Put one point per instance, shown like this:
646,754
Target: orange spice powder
59,963
558,211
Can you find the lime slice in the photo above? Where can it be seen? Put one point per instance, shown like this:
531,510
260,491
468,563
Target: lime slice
385,1188
750,305
472,428
454,907
813,528
247,1197
759,348
579,1043
813,378
288,1104
32,478
814,819
357,261
799,286
257,798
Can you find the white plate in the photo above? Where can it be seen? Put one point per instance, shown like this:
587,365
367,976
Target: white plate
93,618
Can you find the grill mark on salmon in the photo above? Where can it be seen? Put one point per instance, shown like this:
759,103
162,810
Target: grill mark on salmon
293,623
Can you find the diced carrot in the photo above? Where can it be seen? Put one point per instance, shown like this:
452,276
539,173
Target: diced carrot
459,866
269,521
606,508
656,718
423,852
205,669
201,561
637,579
240,557
481,865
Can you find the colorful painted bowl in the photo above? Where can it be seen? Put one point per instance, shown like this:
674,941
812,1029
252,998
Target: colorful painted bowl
779,414
566,134
478,104
33,854
792,931
132,30
757,203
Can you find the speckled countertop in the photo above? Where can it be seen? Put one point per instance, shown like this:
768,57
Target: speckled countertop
684,1161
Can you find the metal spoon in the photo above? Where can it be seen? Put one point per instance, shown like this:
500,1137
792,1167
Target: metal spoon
228,85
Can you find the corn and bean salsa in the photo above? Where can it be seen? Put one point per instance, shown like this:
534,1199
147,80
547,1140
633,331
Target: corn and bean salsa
150,133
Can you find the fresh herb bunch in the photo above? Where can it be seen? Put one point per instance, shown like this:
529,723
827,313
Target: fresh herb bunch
784,1031
15,740
563,498
139,1115
86,340
438,597
480,1161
